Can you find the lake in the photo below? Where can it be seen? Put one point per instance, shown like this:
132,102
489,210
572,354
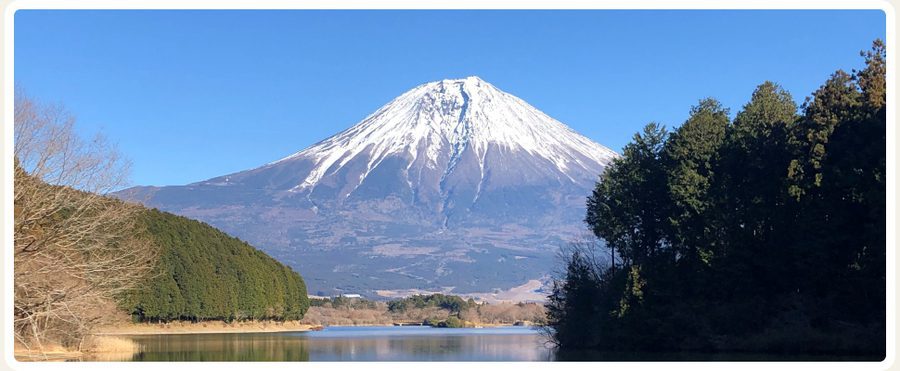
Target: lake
391,343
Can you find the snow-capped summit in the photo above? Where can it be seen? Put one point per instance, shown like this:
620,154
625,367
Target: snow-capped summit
460,113
437,126
431,190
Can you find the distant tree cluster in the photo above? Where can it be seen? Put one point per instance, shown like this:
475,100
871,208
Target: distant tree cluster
449,322
341,302
204,274
452,303
435,310
762,233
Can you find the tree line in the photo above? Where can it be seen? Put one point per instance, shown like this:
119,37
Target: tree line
764,233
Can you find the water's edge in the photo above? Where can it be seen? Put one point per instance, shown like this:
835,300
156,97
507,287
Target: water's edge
371,343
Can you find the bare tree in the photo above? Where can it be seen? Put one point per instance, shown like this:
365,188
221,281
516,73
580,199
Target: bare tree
590,249
585,249
75,248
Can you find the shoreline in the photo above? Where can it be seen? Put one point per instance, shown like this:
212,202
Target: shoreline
211,327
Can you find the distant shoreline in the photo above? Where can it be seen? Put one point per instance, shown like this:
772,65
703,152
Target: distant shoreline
218,327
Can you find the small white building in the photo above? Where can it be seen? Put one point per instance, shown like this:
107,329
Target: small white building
349,296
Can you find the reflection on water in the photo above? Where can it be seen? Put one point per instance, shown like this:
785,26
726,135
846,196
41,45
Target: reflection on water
221,347
352,344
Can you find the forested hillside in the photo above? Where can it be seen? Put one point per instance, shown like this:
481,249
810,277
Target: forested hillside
762,233
204,274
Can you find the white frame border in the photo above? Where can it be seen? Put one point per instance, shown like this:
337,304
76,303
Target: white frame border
6,137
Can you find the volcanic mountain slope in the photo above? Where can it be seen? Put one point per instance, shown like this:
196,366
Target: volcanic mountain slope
454,184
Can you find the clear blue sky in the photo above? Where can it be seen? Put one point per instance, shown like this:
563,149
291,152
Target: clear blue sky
189,95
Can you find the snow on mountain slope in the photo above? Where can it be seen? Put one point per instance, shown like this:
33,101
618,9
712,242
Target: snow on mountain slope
451,116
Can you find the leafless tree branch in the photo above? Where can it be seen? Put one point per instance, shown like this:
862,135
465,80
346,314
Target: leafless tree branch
75,248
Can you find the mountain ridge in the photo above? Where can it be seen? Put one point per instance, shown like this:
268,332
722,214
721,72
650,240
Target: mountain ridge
442,173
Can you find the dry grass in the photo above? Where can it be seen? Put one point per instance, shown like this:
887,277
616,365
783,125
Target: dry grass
346,317
95,348
505,313
110,348
111,344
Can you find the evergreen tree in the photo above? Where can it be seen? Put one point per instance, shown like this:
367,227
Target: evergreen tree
756,160
853,200
835,101
624,208
692,153
872,78
757,215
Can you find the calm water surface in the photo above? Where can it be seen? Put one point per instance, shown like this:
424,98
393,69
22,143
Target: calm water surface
352,344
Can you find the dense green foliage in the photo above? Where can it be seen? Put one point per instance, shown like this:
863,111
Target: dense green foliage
449,322
452,303
204,274
765,233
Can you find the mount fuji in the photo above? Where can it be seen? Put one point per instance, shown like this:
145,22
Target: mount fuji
454,186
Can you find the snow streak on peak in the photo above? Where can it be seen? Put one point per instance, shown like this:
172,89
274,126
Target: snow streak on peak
451,117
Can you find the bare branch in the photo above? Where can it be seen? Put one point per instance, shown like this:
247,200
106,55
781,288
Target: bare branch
75,249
